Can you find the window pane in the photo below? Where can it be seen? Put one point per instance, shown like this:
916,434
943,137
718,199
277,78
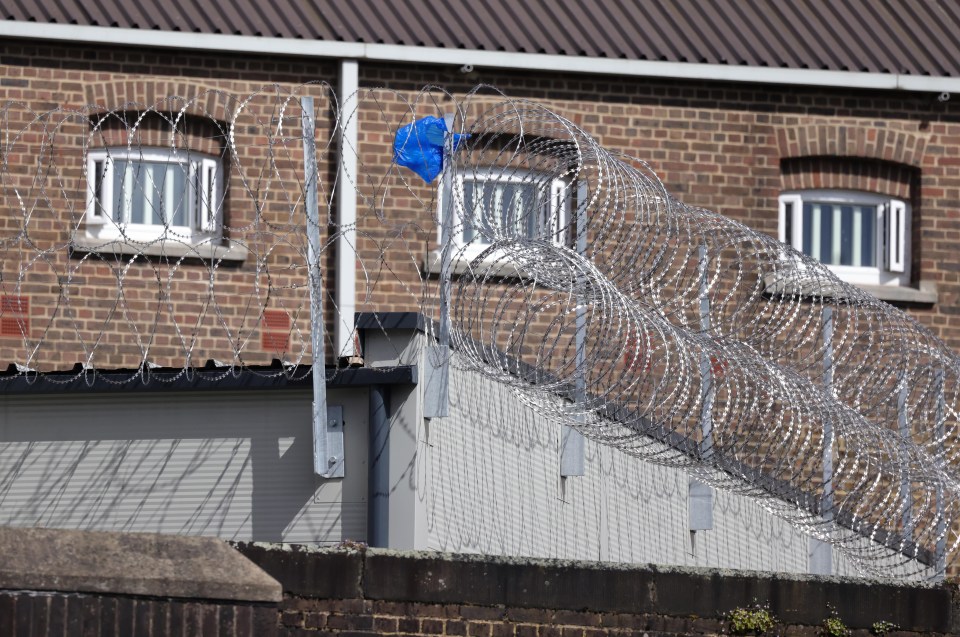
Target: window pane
504,208
842,234
868,236
473,213
175,194
788,223
828,252
807,243
98,169
150,193
846,235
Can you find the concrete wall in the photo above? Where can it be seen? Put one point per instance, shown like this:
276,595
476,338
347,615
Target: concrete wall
60,583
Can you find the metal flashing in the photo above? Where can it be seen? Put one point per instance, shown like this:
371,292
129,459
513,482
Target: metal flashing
208,378
793,69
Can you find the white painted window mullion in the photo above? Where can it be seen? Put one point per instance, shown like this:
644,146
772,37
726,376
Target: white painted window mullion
169,197
815,232
857,258
127,206
896,227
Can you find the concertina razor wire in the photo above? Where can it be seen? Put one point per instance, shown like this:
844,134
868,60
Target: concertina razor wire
167,235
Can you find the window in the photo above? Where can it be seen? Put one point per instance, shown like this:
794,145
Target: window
150,194
490,203
864,238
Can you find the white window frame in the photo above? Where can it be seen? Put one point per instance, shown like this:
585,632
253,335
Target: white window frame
204,212
557,213
892,225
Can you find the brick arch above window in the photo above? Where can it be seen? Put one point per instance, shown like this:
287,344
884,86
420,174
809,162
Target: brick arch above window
164,95
841,140
116,106
849,173
136,129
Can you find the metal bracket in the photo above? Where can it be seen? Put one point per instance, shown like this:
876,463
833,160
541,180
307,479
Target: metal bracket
701,506
334,462
820,557
436,389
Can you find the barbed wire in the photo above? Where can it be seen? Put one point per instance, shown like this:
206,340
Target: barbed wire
169,234
700,342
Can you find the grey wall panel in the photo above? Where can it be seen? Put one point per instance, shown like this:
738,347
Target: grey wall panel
234,465
492,485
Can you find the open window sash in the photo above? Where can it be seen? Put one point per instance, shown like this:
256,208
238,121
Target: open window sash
895,235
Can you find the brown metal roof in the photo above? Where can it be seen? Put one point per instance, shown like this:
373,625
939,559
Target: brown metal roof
915,37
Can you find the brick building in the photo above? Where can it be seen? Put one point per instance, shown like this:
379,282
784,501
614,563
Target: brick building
772,115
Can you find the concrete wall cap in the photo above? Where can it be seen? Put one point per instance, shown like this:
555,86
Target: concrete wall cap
130,564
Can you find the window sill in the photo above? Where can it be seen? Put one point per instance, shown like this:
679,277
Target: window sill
170,248
460,264
926,294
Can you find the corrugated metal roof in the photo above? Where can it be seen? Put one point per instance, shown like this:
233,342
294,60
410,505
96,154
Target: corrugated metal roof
913,37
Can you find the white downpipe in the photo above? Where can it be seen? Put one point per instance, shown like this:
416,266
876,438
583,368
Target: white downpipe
488,59
346,272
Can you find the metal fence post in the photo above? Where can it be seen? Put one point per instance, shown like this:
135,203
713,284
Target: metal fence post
701,495
325,463
906,500
821,553
572,451
436,399
941,548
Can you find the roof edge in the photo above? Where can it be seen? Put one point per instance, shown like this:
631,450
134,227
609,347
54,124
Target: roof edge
489,59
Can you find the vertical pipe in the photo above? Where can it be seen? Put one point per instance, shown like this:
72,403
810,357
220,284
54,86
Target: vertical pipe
321,462
378,513
346,272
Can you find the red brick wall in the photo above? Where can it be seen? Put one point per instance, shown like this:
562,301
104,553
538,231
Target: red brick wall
64,614
734,148
166,314
731,148
302,617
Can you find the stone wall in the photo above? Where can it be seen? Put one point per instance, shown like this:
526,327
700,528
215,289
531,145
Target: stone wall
78,583
370,591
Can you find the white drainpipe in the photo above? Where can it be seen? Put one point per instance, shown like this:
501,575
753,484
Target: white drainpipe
346,271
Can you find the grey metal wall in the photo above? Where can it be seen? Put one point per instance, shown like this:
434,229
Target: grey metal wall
234,465
491,484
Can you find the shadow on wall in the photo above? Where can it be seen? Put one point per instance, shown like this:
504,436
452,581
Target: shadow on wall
237,467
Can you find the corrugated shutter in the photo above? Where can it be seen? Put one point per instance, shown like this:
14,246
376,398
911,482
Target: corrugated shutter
237,466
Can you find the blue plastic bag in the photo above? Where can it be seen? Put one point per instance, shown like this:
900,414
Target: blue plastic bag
419,147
